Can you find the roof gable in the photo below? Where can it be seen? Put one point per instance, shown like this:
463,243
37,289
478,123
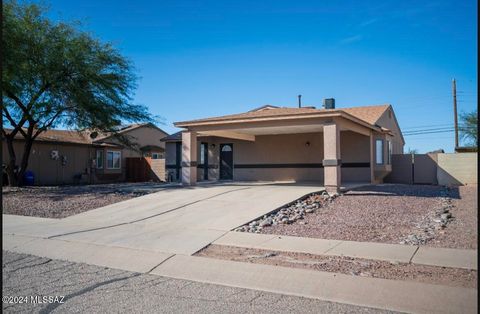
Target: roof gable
368,114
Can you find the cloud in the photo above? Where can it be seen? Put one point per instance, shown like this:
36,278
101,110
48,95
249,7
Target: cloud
351,39
368,22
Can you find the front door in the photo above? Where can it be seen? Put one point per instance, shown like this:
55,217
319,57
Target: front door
226,161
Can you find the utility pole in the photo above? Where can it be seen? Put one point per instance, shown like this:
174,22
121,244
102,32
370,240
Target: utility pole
454,91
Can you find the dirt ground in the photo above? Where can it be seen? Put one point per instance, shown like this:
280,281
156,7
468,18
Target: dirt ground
64,201
346,265
389,213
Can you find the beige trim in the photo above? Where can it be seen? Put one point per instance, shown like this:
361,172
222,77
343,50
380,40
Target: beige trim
331,114
229,134
347,124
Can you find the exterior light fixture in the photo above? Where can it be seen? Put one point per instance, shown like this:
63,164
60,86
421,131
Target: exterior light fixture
307,144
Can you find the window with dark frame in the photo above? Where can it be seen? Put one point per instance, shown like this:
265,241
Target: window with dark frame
379,152
389,156
113,160
99,159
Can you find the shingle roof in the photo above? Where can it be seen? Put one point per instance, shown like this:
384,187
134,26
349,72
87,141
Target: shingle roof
175,137
67,136
369,114
128,128
80,137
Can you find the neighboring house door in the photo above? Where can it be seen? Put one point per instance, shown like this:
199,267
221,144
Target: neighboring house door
226,161
178,159
204,160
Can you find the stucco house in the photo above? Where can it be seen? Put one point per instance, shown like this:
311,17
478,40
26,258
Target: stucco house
271,143
67,156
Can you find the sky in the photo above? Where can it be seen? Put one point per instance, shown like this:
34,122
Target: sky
198,59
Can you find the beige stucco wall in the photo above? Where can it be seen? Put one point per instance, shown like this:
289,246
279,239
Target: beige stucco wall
283,149
457,168
143,136
388,120
48,171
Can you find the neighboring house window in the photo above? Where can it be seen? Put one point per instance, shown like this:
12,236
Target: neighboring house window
379,152
99,159
389,156
157,156
113,160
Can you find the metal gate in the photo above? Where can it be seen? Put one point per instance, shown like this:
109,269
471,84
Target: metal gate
413,169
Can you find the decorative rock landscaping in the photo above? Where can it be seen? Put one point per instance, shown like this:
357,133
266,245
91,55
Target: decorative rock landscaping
290,213
435,221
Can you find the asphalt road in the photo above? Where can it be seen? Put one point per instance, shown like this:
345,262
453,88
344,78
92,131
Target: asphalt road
88,288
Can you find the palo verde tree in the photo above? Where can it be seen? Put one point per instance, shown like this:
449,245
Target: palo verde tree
54,74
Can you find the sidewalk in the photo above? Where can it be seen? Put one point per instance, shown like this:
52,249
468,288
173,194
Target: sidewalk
379,251
379,293
386,294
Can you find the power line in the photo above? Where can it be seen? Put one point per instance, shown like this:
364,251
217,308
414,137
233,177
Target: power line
461,127
428,126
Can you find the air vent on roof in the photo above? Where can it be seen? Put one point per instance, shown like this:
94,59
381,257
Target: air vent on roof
329,103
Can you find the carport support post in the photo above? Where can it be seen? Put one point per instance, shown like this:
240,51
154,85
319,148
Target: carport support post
189,158
331,155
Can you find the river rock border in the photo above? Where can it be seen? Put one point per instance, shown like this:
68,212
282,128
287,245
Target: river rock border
435,221
290,213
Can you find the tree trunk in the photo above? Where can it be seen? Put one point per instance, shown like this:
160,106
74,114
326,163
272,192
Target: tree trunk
15,178
27,148
12,179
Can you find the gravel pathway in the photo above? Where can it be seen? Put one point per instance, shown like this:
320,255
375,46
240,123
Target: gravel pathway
64,201
347,265
392,213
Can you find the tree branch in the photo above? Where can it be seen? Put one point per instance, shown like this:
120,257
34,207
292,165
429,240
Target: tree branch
17,126
47,125
18,102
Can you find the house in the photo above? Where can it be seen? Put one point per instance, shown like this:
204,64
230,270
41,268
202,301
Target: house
66,156
272,143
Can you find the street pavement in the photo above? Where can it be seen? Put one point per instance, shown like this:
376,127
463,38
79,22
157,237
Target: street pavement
93,289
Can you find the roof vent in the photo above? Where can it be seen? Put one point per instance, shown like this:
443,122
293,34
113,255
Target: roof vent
329,103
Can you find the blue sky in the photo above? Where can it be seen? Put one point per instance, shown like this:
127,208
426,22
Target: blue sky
206,58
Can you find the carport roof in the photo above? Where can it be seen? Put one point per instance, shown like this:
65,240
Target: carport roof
366,114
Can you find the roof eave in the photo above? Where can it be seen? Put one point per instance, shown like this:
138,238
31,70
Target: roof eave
333,113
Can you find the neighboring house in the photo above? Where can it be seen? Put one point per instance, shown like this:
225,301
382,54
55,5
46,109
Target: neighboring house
271,143
66,157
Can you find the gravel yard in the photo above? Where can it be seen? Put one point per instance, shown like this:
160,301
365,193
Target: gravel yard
64,201
388,213
347,265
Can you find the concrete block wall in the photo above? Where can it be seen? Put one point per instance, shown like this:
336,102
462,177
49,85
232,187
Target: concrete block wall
457,168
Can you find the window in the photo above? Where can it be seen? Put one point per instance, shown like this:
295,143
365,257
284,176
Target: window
99,159
389,156
113,160
379,152
226,148
202,153
157,155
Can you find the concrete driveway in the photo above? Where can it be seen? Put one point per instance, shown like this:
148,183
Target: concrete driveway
174,220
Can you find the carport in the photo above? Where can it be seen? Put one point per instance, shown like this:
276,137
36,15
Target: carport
275,144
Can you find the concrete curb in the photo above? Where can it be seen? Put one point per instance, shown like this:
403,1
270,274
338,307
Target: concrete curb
371,292
378,251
